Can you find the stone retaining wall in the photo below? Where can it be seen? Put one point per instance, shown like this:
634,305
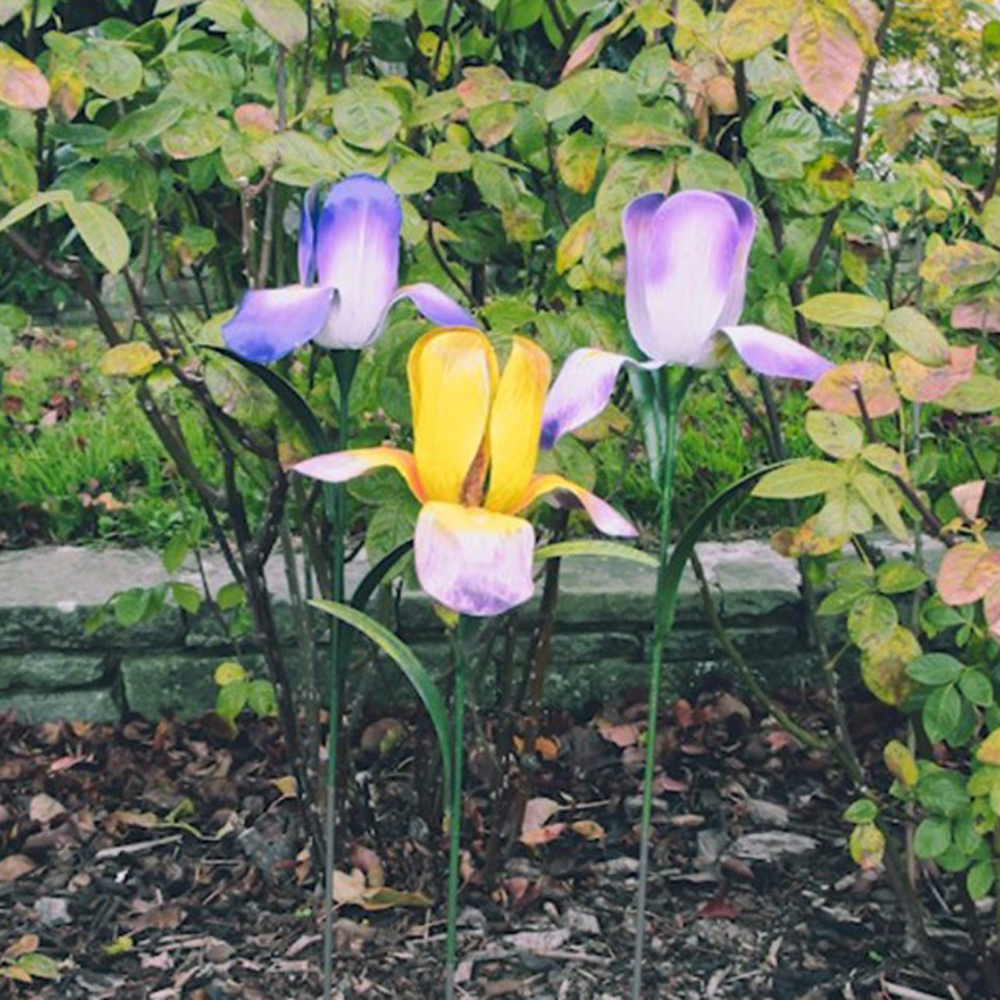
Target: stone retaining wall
49,666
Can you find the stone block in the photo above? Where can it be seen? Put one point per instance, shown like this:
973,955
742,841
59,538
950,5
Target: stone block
52,670
78,705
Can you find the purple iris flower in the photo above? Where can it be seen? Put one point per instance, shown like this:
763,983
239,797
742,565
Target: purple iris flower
348,279
685,282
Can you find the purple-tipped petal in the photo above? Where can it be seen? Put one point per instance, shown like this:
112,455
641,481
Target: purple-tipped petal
771,353
474,561
682,262
357,255
307,237
341,466
439,308
566,493
272,322
581,390
747,222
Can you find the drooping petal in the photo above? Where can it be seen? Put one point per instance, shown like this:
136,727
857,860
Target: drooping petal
569,494
439,308
340,466
452,374
771,353
581,390
681,265
515,422
747,222
307,237
271,322
474,561
357,254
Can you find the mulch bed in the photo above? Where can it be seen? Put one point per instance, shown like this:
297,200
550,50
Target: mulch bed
166,861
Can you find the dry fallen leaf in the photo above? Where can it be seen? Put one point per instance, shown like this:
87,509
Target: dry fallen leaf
44,809
14,866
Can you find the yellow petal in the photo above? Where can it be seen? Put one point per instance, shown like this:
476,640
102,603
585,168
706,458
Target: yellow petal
516,423
569,494
452,374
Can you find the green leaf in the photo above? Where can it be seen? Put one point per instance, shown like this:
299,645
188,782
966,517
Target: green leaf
873,489
872,619
977,394
595,547
786,143
366,116
846,309
283,20
104,235
899,577
390,525
415,672
933,837
147,123
39,966
130,606
229,596
232,699
989,221
861,811
33,204
383,568
262,699
913,332
935,669
111,69
804,477
194,135
977,687
943,792
942,713
980,878
412,174
186,596
836,434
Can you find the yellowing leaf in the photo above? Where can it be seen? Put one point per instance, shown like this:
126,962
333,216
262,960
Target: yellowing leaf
284,20
752,25
287,785
867,846
837,390
847,309
883,666
120,945
805,477
589,829
229,672
574,241
901,764
131,360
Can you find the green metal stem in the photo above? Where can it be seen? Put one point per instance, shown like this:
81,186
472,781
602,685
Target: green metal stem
672,388
455,807
345,364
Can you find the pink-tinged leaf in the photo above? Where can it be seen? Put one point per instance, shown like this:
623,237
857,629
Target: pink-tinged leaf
826,55
718,909
924,384
969,496
22,83
836,390
981,315
664,783
961,265
968,571
991,609
624,734
535,828
589,48
483,85
256,119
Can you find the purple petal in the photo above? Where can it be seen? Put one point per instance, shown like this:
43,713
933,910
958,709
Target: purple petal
774,354
340,466
474,561
272,322
357,255
307,237
747,222
440,309
682,263
581,390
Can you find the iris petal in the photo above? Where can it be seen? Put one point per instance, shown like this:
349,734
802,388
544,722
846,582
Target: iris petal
515,422
451,374
774,354
307,237
340,466
581,390
569,494
747,222
272,322
682,261
474,561
435,305
357,254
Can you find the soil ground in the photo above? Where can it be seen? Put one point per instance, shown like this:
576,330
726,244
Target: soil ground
168,861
